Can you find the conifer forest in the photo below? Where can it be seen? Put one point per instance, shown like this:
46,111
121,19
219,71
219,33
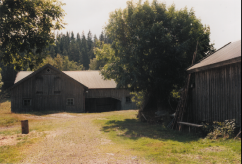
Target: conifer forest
69,52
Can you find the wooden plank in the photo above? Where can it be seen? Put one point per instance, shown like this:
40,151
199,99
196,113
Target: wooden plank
211,81
231,93
203,106
219,92
224,93
227,90
207,95
236,92
216,96
190,124
199,98
239,93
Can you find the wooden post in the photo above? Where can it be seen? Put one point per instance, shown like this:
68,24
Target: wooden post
25,126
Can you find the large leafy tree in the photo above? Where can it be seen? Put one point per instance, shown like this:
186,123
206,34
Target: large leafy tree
60,62
26,29
152,47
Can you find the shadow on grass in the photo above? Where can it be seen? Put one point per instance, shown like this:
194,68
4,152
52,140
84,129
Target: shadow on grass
134,129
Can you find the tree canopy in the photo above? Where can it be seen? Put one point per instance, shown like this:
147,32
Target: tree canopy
60,62
26,29
152,46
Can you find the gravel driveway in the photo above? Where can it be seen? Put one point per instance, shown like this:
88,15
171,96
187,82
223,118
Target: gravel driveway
79,142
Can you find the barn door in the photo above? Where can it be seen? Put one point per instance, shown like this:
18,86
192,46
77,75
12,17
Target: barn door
48,96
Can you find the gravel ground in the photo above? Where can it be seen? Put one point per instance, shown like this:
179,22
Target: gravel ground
80,142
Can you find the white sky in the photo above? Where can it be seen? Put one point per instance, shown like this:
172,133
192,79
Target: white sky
223,16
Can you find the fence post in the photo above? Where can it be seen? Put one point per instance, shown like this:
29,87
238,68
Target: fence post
25,126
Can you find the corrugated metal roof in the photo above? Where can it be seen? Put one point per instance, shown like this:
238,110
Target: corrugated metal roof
91,79
229,52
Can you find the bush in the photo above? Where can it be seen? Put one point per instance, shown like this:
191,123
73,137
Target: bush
220,129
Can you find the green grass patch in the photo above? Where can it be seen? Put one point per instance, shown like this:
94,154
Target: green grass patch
15,153
38,131
160,145
6,117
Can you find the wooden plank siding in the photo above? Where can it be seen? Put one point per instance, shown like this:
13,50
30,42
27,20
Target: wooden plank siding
48,91
217,94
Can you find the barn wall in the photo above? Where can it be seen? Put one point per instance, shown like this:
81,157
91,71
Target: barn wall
48,91
217,94
119,94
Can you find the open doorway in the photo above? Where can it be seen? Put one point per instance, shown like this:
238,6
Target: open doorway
102,104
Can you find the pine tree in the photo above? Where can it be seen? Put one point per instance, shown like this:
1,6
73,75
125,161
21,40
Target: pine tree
52,52
66,42
101,37
78,38
95,40
90,45
72,37
89,40
84,52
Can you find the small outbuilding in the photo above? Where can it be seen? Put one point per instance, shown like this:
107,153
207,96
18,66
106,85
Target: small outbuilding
216,93
49,89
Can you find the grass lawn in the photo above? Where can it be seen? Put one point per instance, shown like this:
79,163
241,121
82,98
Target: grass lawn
159,145
140,140
10,131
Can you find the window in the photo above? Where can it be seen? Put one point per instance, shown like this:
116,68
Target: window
27,102
128,99
39,85
57,85
70,101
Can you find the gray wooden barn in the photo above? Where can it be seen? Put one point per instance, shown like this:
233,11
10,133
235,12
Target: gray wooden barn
49,89
216,93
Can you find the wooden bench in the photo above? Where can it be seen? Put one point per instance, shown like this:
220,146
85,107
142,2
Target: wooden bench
189,124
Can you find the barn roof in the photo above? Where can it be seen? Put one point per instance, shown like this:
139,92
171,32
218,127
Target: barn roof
90,79
231,53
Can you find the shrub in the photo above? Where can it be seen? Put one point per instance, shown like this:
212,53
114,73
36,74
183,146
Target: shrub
220,129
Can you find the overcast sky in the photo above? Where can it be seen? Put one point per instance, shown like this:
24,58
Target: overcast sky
223,16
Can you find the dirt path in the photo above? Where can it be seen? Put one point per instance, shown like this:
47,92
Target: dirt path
79,142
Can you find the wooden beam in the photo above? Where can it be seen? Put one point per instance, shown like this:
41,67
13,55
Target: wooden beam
190,124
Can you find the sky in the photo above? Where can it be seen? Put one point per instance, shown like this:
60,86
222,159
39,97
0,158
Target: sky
223,16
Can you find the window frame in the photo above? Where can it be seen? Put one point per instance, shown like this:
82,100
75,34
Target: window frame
128,99
70,101
28,104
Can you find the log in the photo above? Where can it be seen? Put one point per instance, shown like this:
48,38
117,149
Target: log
144,116
237,135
